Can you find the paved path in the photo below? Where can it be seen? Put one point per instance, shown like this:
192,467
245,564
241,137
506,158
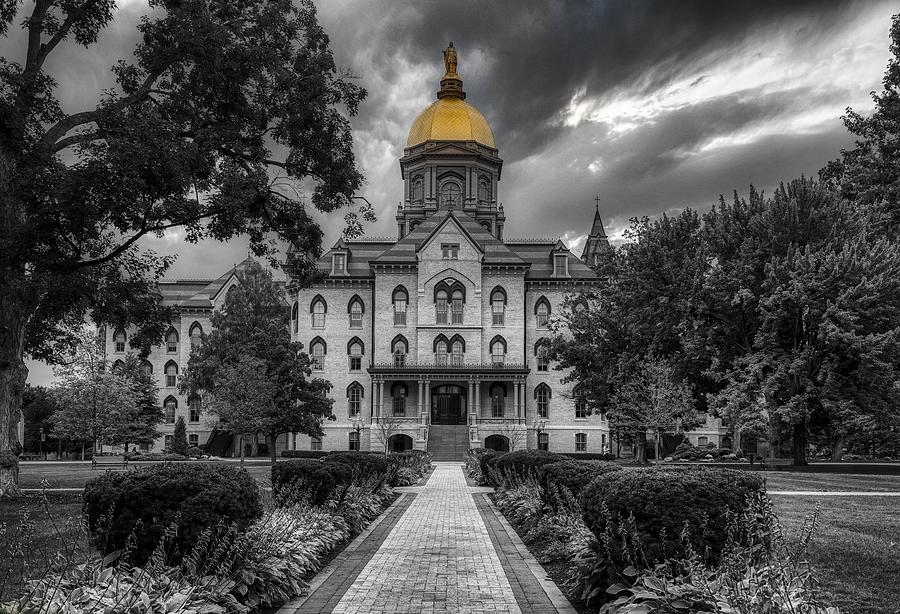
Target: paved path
446,550
835,493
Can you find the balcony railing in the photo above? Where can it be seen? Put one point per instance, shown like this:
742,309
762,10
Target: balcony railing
466,367
499,421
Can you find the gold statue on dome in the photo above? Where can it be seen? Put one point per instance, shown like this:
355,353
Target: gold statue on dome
450,61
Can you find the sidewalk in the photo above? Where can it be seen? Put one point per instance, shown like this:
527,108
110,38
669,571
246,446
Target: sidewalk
446,550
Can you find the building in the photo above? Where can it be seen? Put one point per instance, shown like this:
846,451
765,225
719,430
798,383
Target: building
435,340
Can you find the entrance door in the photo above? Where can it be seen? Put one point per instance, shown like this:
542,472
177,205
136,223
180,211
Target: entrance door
448,405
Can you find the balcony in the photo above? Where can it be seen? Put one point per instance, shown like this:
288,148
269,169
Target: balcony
467,368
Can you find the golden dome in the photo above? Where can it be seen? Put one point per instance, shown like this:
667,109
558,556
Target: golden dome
450,117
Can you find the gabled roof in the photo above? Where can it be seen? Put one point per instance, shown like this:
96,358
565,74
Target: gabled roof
405,250
199,293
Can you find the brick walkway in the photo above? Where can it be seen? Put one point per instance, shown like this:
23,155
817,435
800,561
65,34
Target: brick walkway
442,552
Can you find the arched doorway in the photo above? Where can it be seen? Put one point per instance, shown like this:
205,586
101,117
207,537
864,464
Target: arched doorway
448,405
497,442
400,443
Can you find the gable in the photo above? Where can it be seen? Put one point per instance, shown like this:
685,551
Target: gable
449,231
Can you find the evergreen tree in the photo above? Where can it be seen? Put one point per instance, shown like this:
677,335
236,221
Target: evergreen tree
250,346
141,425
179,438
217,98
38,407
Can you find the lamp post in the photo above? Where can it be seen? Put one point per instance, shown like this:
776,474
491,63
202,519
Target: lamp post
41,442
539,426
356,422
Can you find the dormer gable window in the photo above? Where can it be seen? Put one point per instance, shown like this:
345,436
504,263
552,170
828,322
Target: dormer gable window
560,265
339,263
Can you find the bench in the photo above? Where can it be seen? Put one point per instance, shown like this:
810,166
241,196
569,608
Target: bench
116,460
777,463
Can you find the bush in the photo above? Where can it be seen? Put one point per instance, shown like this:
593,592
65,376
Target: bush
604,456
655,505
179,438
410,466
365,466
155,456
315,477
303,453
475,458
488,466
525,463
150,501
573,475
195,452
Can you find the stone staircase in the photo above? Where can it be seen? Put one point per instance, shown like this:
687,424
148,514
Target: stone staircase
448,442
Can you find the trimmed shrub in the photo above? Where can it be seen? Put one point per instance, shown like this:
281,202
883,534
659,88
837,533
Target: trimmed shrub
317,478
303,453
155,456
195,452
410,466
147,502
365,466
488,466
179,438
574,475
589,456
653,506
525,463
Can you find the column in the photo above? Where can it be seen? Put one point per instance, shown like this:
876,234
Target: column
427,400
381,398
524,401
516,396
470,402
420,398
477,397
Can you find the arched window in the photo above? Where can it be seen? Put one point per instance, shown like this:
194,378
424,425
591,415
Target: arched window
542,394
118,367
440,306
146,368
484,190
119,339
354,399
441,346
450,193
355,350
542,312
542,354
543,441
498,306
486,224
581,407
317,351
355,309
498,399
449,298
457,350
295,316
400,299
398,396
417,190
169,407
196,334
457,298
581,442
318,308
399,350
353,437
498,350
413,225
194,408
171,341
171,372
702,441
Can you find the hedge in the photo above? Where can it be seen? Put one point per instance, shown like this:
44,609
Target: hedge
303,453
574,475
605,456
525,463
365,466
146,502
662,501
318,478
488,465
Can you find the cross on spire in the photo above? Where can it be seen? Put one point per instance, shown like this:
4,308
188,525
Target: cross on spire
597,200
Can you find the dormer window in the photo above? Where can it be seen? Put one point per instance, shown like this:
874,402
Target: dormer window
560,265
339,264
450,251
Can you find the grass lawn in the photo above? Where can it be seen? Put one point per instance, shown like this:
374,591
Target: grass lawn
855,551
76,475
784,480
36,538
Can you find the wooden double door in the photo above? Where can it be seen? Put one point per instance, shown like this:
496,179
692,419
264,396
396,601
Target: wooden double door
448,405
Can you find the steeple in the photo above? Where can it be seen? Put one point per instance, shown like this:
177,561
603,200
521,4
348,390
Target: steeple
597,242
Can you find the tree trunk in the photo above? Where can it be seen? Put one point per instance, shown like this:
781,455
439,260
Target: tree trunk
241,442
658,448
82,450
13,372
737,443
59,449
800,444
273,437
837,448
640,447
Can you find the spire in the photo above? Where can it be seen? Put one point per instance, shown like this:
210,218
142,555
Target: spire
597,241
451,84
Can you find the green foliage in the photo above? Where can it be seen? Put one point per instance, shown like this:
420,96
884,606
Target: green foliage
657,506
179,439
132,510
303,453
523,464
313,477
366,466
410,466
573,475
38,407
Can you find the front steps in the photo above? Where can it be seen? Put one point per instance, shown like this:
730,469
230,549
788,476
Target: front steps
448,442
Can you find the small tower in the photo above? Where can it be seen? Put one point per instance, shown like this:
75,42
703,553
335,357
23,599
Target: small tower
597,241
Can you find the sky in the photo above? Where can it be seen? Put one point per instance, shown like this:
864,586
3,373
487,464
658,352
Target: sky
650,105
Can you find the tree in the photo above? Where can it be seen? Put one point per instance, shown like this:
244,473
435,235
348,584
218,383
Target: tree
141,424
385,427
38,406
869,173
222,111
179,438
250,344
94,404
653,399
